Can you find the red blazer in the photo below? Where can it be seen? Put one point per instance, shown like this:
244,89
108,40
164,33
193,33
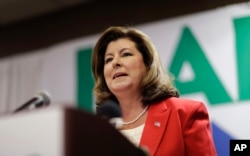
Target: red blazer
178,127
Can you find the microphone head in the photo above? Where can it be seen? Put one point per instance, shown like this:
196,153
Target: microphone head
45,96
108,109
40,99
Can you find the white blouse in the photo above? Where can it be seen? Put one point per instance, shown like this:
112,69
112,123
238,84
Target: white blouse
134,135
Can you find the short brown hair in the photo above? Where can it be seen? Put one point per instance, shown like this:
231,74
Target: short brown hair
155,86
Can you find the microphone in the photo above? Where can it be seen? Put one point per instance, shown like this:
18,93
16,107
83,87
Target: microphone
39,100
110,110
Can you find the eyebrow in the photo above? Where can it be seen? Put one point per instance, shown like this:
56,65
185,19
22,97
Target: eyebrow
110,53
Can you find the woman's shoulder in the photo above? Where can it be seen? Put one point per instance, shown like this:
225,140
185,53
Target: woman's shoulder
182,107
183,104
186,108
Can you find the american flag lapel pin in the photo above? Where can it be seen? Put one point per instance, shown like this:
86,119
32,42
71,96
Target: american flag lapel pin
157,124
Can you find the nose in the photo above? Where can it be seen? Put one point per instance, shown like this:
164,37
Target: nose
116,62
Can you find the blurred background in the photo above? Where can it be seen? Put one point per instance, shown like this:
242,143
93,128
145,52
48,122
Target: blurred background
26,25
205,44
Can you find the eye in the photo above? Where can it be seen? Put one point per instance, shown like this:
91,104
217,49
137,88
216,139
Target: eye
107,60
127,54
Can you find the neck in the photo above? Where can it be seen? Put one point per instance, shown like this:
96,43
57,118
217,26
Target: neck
131,108
137,118
131,104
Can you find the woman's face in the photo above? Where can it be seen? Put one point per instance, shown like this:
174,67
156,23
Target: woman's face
123,66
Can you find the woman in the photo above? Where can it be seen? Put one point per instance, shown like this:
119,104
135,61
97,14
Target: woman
127,69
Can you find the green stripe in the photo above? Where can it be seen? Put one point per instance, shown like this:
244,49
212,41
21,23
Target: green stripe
242,37
85,81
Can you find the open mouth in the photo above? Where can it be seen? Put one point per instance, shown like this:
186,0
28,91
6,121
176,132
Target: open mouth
119,75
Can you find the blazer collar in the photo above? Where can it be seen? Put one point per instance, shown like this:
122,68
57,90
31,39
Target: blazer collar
155,125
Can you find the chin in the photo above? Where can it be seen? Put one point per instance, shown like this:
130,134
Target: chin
120,88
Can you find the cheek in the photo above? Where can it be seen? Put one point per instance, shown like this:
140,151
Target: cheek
140,67
106,72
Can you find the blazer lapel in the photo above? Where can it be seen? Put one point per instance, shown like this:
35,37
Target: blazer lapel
155,126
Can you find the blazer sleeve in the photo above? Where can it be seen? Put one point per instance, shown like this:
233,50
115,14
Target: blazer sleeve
197,131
